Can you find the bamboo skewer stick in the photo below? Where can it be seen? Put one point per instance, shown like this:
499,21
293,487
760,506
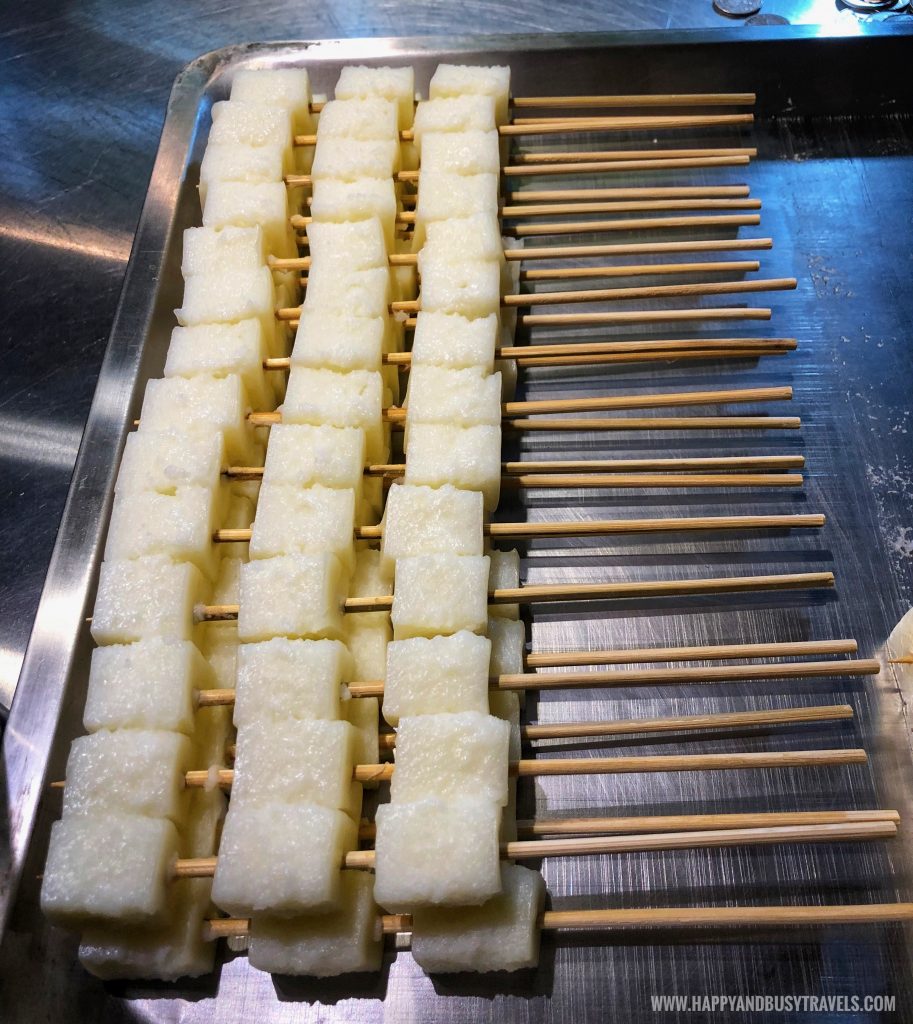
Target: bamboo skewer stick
651,357
633,224
530,209
586,592
521,195
550,252
661,423
641,270
740,917
742,153
653,316
592,527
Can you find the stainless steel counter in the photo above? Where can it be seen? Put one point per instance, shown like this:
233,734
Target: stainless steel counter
83,95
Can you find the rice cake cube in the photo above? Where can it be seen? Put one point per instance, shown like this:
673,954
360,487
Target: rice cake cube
505,575
900,641
365,119
508,646
178,526
225,295
439,595
444,674
202,405
146,685
297,596
367,643
445,196
364,293
453,341
467,287
294,761
108,867
476,236
465,398
175,949
352,159
342,202
163,460
226,161
394,84
339,400
281,858
436,851
240,249
471,152
220,349
468,457
147,597
340,341
348,940
500,935
298,679
506,705
293,520
302,455
363,714
454,114
422,520
245,204
358,245
463,80
450,754
237,123
284,88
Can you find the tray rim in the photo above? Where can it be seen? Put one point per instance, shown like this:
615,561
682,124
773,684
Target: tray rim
69,584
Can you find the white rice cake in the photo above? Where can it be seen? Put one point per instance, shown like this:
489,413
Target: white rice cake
455,342
363,714
294,761
236,122
351,159
286,88
108,867
357,245
508,646
348,940
340,341
394,84
172,950
283,679
436,852
163,460
246,204
444,674
468,457
467,287
900,641
292,520
505,575
146,685
440,595
235,249
449,755
302,455
228,161
366,119
506,705
340,400
216,350
500,935
332,289
281,858
202,405
422,520
145,598
224,295
135,771
444,196
470,152
179,526
454,114
297,596
465,398
342,202
476,236
367,643
464,80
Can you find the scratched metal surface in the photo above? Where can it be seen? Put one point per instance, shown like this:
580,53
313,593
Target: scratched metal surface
833,171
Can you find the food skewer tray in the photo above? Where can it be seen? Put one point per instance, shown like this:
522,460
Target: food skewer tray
835,139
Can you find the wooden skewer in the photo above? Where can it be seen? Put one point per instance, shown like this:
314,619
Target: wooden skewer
529,209
661,423
588,227
556,252
707,99
592,527
905,660
652,357
653,316
646,764
539,156
642,270
656,917
585,592
522,195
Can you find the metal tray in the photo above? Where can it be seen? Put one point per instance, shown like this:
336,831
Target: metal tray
834,166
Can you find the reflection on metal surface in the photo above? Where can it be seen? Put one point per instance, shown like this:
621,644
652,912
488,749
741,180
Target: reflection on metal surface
73,239
42,444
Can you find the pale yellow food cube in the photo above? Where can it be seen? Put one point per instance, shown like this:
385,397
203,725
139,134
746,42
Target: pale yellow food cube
356,245
443,674
237,122
219,349
352,159
454,114
436,852
395,84
339,341
365,119
364,293
422,520
466,287
145,598
477,236
468,457
229,161
297,596
294,520
446,196
455,342
286,88
302,455
281,858
506,705
471,152
367,644
505,575
500,935
163,460
245,204
439,595
342,202
235,249
363,714
508,645
467,397
464,80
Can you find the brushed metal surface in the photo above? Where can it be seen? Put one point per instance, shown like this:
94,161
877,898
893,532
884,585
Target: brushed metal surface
835,192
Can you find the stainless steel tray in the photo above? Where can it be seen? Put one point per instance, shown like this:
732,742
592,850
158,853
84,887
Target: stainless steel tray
834,167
